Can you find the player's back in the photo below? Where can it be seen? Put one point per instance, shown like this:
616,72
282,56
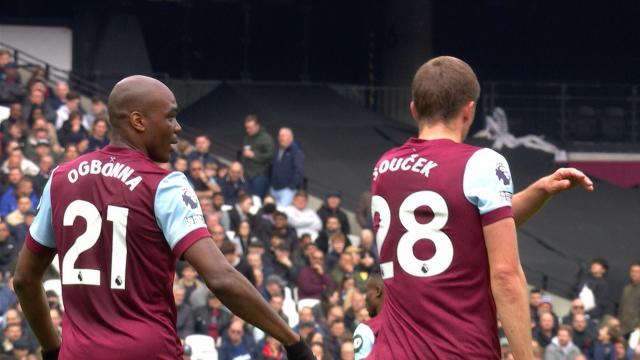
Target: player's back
116,266
438,302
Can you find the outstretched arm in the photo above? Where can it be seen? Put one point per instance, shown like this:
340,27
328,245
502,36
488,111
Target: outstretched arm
528,201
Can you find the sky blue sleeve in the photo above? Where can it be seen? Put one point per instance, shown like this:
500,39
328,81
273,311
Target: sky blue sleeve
363,340
177,209
41,230
487,181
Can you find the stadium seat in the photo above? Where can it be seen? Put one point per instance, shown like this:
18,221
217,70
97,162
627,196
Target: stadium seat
289,307
613,124
302,303
203,347
257,204
583,123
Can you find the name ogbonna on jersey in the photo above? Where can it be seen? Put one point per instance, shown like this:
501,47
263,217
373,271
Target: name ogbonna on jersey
412,163
110,169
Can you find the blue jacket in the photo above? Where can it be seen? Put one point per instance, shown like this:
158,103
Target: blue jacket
287,169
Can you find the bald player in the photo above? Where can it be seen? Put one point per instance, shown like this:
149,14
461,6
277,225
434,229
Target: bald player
118,223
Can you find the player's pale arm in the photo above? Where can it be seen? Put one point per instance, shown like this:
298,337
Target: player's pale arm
236,292
509,286
27,282
528,201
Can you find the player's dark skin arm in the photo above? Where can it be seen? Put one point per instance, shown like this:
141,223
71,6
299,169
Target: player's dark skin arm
236,292
27,283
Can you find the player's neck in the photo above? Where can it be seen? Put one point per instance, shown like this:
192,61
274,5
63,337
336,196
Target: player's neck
118,140
440,130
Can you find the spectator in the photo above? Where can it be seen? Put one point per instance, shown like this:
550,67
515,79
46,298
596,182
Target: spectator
360,272
629,310
287,169
8,250
195,291
59,96
368,249
596,286
582,336
71,105
347,351
357,303
11,89
200,181
56,319
331,207
71,151
313,279
98,111
561,347
235,343
42,129
46,165
73,132
546,306
99,135
229,251
337,332
363,211
36,101
257,154
331,226
213,318
337,244
603,348
283,266
276,302
240,211
7,296
270,349
622,350
17,160
17,216
9,201
12,333
233,184
5,60
243,237
15,117
301,217
282,229
202,151
544,332
185,317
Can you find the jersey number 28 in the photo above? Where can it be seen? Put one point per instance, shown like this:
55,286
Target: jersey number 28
415,231
86,210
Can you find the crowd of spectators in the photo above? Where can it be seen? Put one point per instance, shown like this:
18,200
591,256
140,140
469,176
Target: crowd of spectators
592,329
309,263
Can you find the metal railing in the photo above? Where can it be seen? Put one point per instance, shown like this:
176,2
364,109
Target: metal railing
54,74
563,112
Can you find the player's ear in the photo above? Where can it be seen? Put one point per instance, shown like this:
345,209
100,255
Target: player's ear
468,111
136,119
414,112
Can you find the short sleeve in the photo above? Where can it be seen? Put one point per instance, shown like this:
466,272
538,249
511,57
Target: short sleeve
488,185
40,238
178,214
363,340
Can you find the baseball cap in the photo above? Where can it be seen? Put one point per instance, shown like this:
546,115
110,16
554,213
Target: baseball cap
44,142
545,300
333,194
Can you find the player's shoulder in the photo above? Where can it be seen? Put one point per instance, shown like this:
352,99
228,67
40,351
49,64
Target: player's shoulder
375,323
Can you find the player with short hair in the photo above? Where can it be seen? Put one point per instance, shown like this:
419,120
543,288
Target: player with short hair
441,294
118,223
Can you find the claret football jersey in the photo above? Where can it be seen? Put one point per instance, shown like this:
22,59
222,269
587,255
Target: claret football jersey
430,202
118,222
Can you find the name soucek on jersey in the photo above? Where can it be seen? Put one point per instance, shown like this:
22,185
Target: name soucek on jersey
431,199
